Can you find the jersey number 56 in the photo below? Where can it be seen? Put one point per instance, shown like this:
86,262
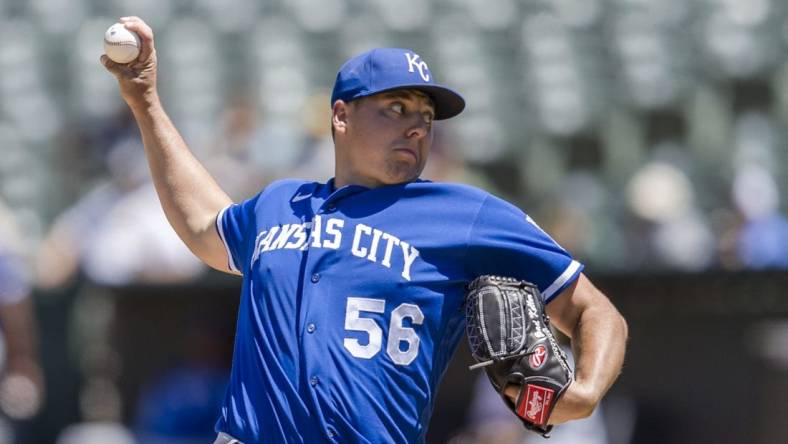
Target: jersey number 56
397,333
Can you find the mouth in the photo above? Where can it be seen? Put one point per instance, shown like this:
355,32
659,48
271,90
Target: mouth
407,151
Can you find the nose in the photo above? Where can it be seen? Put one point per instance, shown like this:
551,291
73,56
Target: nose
418,128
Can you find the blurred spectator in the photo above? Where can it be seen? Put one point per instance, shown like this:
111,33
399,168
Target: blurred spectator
678,237
22,383
229,157
117,232
250,152
134,243
316,160
447,164
181,406
763,239
579,219
82,153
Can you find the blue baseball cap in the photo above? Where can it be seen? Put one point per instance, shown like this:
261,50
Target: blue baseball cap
386,69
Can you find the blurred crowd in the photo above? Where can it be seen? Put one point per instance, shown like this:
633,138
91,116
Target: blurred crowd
642,135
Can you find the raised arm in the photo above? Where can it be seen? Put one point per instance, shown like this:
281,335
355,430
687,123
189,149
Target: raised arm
190,197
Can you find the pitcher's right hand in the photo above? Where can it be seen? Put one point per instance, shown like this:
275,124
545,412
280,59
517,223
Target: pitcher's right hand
137,80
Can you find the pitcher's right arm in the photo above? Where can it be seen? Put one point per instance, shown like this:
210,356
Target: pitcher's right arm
190,197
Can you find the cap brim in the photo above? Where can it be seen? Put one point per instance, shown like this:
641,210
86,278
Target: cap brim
448,103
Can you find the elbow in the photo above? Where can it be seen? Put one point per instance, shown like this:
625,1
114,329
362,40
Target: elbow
583,400
623,334
587,412
616,322
619,329
623,327
587,408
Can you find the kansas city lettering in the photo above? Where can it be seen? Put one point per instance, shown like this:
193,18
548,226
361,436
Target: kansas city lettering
366,242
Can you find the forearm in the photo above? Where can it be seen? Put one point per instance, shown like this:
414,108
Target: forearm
598,345
190,197
599,335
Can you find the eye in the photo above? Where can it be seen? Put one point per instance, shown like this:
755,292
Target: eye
397,107
428,117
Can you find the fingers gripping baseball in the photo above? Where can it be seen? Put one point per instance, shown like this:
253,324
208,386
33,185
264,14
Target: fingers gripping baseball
136,79
145,32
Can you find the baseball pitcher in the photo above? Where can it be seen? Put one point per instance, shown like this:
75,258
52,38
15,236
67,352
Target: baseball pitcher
354,290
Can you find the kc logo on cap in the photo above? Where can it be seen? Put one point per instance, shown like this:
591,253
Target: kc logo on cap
421,65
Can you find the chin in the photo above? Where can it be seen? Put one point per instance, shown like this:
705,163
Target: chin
400,172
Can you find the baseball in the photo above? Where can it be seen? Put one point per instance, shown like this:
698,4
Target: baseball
120,44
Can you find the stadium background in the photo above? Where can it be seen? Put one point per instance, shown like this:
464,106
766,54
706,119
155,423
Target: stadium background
646,137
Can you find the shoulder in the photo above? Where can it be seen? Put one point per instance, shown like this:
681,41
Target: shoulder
274,195
470,197
286,189
449,190
285,186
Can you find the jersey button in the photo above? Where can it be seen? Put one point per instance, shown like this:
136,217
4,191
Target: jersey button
330,433
315,278
311,328
314,381
331,208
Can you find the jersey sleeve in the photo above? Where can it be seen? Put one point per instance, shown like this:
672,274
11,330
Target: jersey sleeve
236,225
504,241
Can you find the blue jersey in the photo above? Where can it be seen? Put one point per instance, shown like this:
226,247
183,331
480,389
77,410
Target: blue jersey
351,304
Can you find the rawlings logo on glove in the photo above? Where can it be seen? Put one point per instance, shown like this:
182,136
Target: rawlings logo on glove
509,336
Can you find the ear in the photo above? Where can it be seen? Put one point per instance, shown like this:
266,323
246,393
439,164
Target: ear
339,116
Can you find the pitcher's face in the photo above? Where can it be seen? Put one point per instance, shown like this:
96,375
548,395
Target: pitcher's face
387,137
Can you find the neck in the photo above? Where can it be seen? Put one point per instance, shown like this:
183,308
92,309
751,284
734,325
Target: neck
342,179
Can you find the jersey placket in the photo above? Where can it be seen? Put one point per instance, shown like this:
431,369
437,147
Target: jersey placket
312,318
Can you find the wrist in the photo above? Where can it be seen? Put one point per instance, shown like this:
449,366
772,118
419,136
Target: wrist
145,102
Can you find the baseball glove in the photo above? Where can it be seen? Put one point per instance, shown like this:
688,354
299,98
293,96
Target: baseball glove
509,336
